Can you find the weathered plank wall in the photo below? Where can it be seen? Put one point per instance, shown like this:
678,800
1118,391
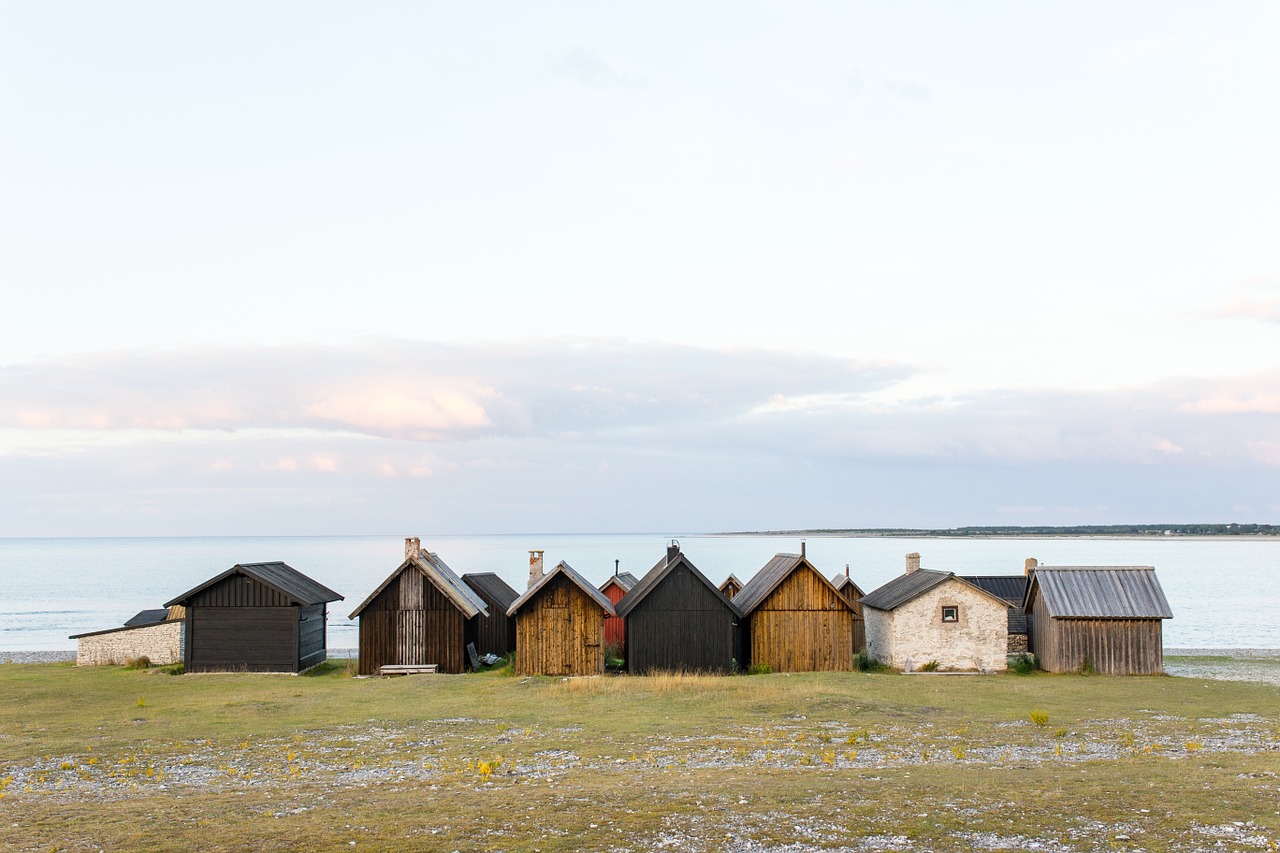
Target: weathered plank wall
560,631
495,633
1111,646
311,636
253,639
411,622
859,626
615,629
803,626
681,625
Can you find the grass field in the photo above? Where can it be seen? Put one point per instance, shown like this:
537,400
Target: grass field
112,759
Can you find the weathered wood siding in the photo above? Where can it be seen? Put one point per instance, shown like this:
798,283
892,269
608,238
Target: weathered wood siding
615,629
495,633
411,622
803,626
681,625
859,625
560,631
249,639
1111,646
311,636
240,591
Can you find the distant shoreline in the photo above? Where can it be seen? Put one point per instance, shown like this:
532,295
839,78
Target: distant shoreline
937,534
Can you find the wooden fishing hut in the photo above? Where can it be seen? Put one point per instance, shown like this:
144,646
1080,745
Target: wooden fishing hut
496,632
679,621
617,586
797,621
1107,618
853,594
559,622
419,616
255,617
731,586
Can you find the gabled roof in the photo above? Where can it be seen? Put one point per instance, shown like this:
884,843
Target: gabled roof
626,580
770,577
1012,588
489,584
655,576
841,581
283,578
148,617
732,579
578,580
441,576
1099,592
912,585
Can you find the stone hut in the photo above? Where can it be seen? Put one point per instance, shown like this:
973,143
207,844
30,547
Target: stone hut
158,635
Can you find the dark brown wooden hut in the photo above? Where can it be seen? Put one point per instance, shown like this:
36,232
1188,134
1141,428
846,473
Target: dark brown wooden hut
677,620
419,616
1105,618
560,625
615,630
796,619
853,594
255,617
731,586
495,633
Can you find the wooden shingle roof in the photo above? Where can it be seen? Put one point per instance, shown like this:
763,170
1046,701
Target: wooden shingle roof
563,568
770,577
1099,592
444,578
841,581
487,583
626,580
281,577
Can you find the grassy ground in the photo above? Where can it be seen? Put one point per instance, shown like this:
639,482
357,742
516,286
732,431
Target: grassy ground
114,759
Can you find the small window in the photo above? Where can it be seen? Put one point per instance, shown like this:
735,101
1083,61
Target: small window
951,614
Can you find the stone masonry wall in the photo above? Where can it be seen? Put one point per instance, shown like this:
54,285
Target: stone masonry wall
914,634
162,643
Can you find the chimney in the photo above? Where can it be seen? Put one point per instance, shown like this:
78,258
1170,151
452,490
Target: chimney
846,570
412,546
673,551
535,567
913,562
616,565
1029,566
802,549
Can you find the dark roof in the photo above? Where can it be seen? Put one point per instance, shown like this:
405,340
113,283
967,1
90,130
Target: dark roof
281,577
626,580
655,576
904,588
1012,588
148,617
578,580
768,579
1100,592
444,578
841,581
490,585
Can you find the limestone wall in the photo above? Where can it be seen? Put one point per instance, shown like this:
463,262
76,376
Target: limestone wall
914,634
162,643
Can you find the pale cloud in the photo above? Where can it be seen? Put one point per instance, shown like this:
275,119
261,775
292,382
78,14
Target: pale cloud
587,68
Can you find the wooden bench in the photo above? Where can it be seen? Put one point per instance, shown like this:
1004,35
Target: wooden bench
408,669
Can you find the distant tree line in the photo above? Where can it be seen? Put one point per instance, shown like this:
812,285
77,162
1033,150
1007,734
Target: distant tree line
1048,530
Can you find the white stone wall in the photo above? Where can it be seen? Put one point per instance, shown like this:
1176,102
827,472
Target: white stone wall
914,634
162,643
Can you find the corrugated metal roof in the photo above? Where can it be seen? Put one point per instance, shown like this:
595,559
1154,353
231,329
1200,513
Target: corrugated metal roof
578,580
626,580
281,577
654,577
1100,592
768,578
441,576
487,583
903,588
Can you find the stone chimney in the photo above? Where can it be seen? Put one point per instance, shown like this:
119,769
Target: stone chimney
535,567
1029,566
412,546
673,551
913,562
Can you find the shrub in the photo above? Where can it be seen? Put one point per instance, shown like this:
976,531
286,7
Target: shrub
864,662
931,666
1023,663
759,669
140,662
1040,718
1086,667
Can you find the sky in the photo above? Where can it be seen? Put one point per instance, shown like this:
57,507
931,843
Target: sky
308,268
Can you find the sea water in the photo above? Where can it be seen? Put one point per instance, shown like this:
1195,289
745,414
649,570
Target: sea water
1225,592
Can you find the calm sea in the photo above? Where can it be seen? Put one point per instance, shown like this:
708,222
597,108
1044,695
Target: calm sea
1225,593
